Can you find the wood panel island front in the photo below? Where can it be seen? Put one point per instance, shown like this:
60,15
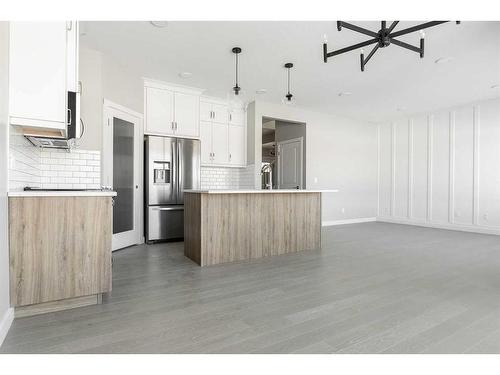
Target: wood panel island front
232,225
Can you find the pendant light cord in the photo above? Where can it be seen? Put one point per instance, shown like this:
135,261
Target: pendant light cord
236,70
288,80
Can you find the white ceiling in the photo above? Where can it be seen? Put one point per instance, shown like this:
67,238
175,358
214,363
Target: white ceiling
396,81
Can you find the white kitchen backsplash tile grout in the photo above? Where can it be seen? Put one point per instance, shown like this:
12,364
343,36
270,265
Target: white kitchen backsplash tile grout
227,178
51,168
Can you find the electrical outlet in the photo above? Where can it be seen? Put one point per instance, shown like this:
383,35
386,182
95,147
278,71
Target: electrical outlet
343,210
315,180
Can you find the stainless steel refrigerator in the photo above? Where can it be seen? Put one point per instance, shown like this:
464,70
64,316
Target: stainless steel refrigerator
172,166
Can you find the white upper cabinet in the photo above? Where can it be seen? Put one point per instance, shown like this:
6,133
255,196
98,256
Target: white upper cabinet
206,142
171,110
220,114
206,112
159,111
222,134
186,109
220,151
237,117
237,145
38,74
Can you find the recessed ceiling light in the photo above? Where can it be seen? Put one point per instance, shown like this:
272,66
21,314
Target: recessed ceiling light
345,93
497,86
185,74
261,91
444,60
159,24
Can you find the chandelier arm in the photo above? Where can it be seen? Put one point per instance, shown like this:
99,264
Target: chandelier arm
350,48
361,30
406,45
416,28
393,25
371,54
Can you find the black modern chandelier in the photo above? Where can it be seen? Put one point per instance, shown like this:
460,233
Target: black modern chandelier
288,96
236,88
382,38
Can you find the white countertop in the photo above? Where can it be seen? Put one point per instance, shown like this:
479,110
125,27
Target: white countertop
255,191
62,193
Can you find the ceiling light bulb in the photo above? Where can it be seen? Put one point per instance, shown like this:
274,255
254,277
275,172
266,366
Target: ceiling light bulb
362,51
325,39
422,34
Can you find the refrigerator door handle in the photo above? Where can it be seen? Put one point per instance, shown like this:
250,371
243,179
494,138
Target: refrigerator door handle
168,208
175,167
180,186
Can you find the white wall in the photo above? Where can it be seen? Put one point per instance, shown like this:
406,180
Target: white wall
442,169
104,78
341,153
6,313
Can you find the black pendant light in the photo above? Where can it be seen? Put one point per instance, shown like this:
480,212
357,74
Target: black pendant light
288,96
236,88
382,38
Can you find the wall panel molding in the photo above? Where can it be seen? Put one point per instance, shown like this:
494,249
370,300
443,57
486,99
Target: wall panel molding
443,152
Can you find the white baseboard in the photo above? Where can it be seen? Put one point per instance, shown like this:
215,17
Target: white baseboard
5,324
460,227
348,221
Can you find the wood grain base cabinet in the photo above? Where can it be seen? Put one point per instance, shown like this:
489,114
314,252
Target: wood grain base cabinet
60,248
220,228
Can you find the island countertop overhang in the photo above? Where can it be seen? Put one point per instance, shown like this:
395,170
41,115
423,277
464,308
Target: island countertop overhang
256,191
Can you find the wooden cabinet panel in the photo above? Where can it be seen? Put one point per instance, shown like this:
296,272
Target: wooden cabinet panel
60,247
159,111
186,114
37,74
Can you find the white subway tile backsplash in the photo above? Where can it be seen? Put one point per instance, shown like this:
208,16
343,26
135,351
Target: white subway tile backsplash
227,178
49,168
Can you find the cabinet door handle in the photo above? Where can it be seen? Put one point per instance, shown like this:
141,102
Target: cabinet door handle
230,117
215,115
80,87
175,125
69,116
172,125
230,156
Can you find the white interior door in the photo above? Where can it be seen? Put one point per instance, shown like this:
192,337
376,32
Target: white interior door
290,164
122,170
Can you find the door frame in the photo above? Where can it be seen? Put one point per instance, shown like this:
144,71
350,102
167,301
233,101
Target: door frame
278,166
109,110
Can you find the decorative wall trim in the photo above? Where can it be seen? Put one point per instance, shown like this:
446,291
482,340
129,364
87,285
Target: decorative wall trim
451,177
430,145
410,169
5,324
393,169
475,178
459,227
348,221
444,124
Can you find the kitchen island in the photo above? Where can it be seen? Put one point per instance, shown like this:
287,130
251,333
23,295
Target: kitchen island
232,225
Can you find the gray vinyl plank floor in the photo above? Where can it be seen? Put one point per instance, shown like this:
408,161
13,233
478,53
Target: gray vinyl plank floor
372,288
